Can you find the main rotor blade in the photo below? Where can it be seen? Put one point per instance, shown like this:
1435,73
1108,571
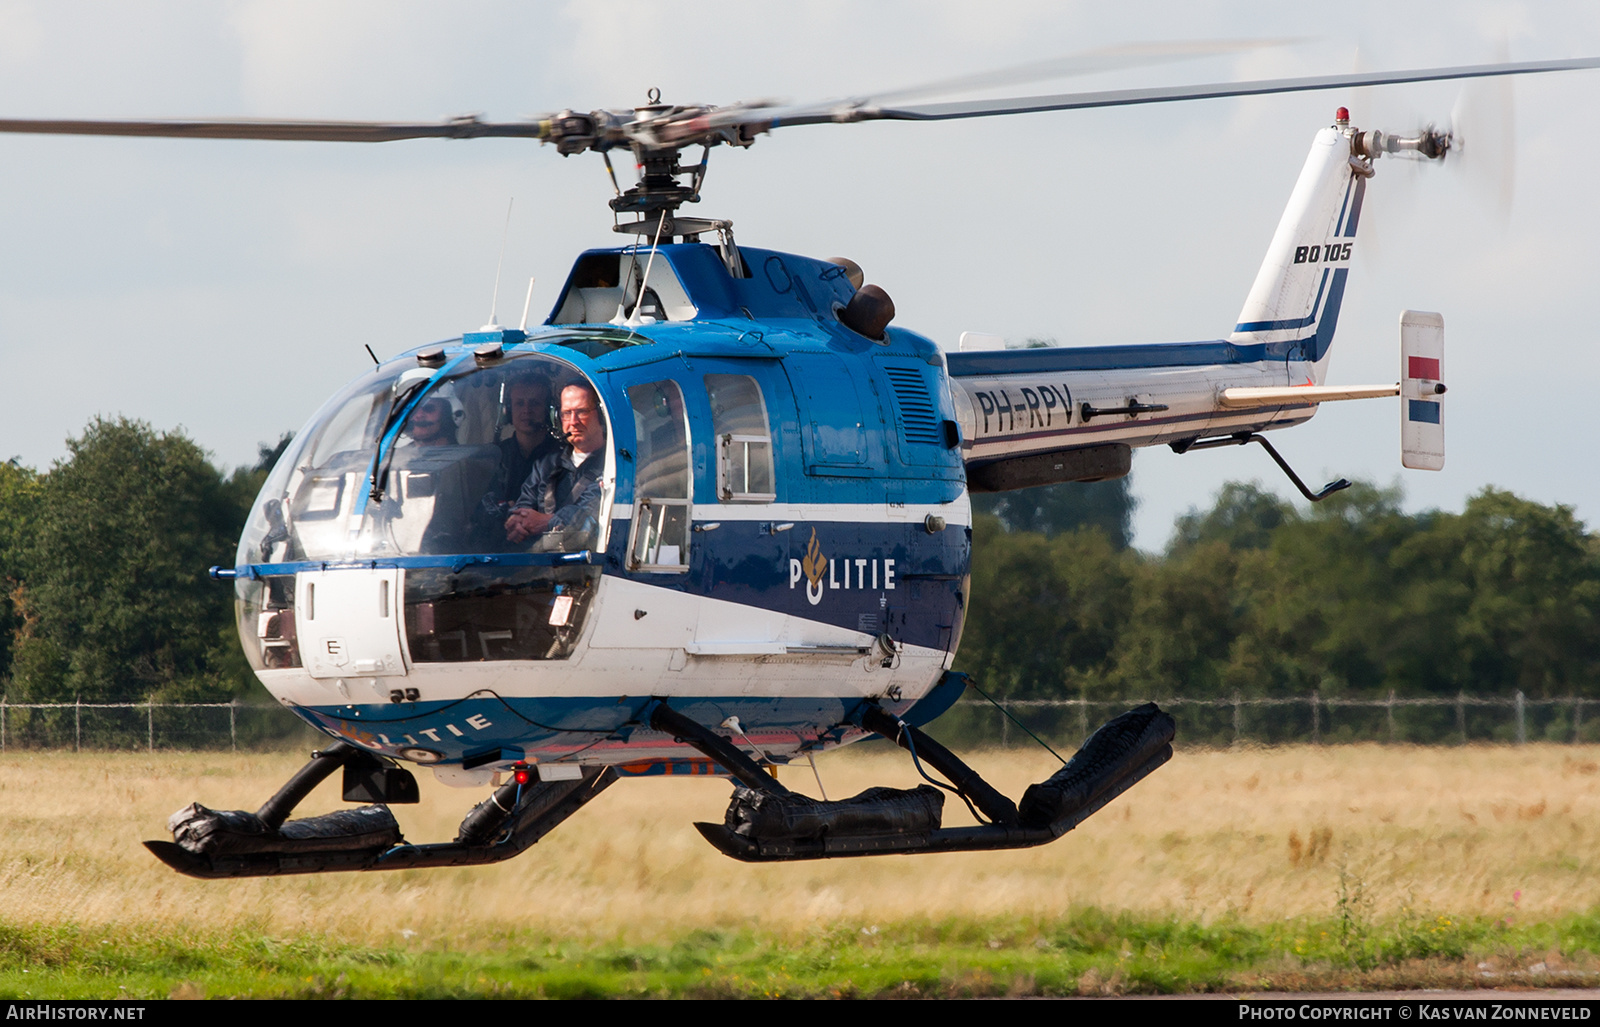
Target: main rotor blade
316,131
776,117
1085,62
1127,97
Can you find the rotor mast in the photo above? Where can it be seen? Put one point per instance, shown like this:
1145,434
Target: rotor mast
657,134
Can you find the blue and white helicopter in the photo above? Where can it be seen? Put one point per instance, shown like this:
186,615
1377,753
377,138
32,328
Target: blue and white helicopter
712,516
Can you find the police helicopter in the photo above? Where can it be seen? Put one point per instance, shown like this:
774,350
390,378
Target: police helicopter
712,515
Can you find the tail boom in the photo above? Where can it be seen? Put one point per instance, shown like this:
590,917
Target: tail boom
1020,403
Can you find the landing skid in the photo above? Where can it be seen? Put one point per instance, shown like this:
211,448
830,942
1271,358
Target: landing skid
235,843
768,823
765,821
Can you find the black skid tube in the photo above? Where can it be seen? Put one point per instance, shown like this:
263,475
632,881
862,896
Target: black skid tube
506,824
994,805
543,808
1116,757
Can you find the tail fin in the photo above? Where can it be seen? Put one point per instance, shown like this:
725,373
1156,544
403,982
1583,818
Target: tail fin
1421,365
1293,308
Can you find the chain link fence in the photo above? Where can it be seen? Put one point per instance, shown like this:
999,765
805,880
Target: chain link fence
1429,720
1313,718
151,726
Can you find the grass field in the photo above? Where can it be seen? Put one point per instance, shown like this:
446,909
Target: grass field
1258,868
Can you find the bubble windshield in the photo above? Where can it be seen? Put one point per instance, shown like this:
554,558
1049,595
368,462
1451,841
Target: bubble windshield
454,459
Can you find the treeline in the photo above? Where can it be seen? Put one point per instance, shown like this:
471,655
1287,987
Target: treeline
1351,598
103,561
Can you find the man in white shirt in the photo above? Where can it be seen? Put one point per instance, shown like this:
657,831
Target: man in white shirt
561,496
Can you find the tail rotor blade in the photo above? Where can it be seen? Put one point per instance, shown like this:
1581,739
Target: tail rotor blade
1483,129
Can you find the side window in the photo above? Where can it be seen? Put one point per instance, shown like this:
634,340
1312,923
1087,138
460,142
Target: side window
661,499
744,440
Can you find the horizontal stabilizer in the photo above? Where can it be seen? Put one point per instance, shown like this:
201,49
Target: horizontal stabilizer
1271,396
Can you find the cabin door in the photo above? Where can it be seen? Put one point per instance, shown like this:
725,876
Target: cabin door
349,622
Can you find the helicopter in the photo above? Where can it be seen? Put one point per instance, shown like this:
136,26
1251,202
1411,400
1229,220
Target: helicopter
750,540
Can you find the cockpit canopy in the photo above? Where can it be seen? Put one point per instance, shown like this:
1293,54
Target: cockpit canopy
418,460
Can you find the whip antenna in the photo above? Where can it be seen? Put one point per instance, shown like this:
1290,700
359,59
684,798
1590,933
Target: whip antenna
644,283
526,303
494,303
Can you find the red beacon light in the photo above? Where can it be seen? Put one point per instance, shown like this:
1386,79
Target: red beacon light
522,773
1342,115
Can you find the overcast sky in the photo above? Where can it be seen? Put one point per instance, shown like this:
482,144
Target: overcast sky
229,287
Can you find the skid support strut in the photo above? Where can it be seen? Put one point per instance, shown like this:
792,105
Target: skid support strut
691,732
766,822
967,781
233,843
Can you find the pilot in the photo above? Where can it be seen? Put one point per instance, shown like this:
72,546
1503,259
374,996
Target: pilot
560,499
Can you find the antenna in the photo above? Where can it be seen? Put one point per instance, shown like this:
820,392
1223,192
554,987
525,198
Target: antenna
644,283
526,303
494,304
625,281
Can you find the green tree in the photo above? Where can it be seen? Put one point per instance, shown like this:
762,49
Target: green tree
1318,605
1052,510
116,586
19,494
1352,596
1184,620
1243,516
1533,620
1044,614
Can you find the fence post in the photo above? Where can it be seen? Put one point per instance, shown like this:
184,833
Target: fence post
1461,715
1388,713
1237,717
1316,717
1577,724
1522,723
1083,720
1005,729
233,734
2,723
77,723
150,724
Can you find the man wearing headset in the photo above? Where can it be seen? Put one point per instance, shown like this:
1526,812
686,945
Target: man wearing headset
560,499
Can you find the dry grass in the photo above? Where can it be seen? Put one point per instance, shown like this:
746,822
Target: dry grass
1259,834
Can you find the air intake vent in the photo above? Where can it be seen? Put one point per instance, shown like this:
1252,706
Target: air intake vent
919,421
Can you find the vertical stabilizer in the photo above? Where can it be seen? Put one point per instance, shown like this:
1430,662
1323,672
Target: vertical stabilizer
1293,308
1421,365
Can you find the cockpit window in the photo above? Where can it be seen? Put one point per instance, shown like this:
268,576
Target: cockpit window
744,440
661,489
416,461
605,288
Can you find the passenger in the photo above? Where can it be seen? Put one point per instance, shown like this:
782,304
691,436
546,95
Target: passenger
529,400
560,500
432,423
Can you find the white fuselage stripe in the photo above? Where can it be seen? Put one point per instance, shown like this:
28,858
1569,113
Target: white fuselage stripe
958,512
